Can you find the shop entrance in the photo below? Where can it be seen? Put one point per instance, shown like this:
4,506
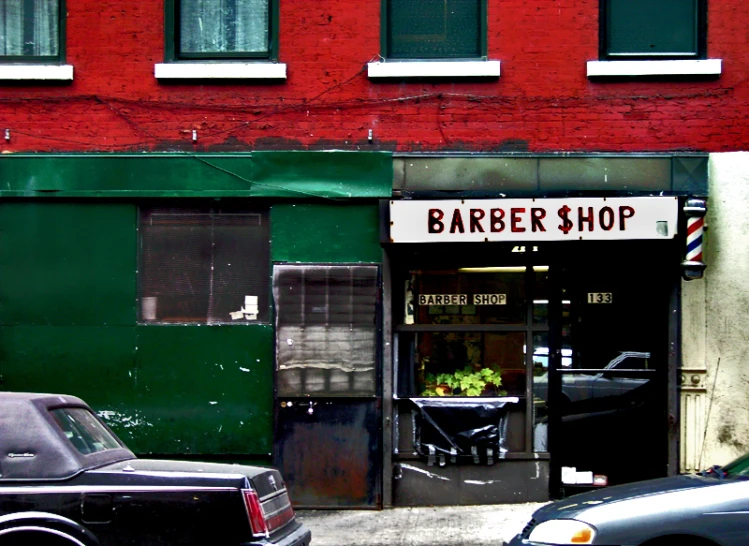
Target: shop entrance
506,354
609,397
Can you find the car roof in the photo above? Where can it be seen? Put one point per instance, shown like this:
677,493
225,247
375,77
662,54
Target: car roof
34,447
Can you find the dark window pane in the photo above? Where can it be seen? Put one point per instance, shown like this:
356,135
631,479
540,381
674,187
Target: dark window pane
467,297
223,26
204,267
29,28
433,29
666,28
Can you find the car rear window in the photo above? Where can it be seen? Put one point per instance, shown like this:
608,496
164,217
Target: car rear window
83,430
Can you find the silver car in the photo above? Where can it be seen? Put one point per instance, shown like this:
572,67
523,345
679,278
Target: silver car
706,509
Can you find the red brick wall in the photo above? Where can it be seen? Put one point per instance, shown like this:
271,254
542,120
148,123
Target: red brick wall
542,102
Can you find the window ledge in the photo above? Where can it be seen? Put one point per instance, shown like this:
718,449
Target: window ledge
433,69
702,67
221,71
47,72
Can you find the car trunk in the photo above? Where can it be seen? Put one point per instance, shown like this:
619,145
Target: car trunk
263,489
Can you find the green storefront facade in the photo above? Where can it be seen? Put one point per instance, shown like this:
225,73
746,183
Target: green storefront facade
69,285
312,358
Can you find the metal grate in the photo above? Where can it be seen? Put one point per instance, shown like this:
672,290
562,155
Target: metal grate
326,335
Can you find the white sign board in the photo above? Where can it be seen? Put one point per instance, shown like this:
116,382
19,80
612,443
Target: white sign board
557,219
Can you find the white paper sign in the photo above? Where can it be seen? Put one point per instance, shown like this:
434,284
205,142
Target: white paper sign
557,219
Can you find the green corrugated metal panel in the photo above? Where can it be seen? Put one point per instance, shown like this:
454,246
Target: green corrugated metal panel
204,389
67,263
325,233
260,174
95,363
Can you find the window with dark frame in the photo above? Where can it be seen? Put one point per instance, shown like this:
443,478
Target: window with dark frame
478,333
326,329
434,29
221,29
646,30
32,31
204,266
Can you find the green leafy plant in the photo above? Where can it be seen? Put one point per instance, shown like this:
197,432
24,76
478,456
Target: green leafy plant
465,382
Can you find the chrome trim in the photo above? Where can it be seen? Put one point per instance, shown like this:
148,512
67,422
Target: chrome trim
271,495
42,490
44,530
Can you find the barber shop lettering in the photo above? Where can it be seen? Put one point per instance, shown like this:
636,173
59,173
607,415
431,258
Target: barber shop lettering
527,220
534,219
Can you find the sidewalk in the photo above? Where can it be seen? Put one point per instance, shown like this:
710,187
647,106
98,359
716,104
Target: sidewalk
487,525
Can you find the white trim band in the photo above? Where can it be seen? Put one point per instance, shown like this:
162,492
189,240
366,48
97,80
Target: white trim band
701,67
433,69
221,71
47,72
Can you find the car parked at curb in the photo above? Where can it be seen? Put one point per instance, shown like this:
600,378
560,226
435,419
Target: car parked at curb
705,509
67,480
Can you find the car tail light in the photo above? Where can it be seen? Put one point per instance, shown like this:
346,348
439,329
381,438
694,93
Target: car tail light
255,513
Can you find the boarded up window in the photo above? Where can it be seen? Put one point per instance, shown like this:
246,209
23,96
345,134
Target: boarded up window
326,331
204,266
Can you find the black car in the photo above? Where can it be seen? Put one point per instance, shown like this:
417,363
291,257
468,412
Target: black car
706,509
67,480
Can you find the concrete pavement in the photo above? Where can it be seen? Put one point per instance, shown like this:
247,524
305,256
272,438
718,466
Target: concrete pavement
487,525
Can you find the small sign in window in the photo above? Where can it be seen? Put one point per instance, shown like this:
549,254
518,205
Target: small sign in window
600,297
490,299
443,299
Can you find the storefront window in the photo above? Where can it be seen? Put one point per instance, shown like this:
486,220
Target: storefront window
467,296
471,364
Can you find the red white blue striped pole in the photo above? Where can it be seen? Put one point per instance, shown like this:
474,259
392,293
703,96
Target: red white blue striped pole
694,266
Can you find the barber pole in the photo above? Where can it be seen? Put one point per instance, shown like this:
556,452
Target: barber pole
693,267
695,228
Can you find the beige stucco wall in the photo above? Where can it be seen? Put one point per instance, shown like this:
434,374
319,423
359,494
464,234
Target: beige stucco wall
715,325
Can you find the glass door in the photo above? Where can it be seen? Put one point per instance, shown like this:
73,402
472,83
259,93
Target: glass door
609,423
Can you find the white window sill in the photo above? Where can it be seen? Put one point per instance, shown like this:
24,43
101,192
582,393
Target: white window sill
47,72
221,71
702,67
433,69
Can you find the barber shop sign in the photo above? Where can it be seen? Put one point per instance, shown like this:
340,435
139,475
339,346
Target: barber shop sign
588,218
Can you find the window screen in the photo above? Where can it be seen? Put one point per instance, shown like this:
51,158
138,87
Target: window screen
326,331
433,29
204,266
223,28
29,29
662,29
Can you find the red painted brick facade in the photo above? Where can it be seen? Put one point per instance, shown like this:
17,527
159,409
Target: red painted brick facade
543,102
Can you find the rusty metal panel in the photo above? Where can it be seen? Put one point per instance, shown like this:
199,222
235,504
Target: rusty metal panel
328,451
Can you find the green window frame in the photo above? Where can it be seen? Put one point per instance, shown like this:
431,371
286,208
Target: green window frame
180,45
32,31
433,29
648,30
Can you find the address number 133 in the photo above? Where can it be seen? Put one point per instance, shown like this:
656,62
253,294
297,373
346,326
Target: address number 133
600,297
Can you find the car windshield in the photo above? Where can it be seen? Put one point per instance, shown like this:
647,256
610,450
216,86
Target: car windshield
83,430
737,467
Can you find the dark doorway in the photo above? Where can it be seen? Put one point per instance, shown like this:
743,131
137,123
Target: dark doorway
609,386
